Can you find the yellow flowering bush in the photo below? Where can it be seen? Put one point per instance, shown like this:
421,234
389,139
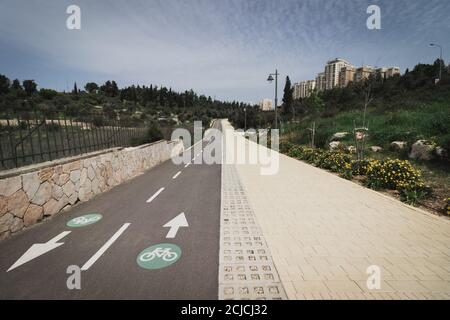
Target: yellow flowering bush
394,174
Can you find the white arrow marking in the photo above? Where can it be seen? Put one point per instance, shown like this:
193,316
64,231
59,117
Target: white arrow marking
155,195
105,247
175,224
176,175
39,249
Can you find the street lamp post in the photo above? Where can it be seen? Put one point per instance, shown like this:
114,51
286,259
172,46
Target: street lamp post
440,58
270,79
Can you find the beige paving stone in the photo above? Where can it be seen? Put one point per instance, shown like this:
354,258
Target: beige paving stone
310,286
330,222
342,286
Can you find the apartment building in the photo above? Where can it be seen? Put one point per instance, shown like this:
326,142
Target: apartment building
266,105
303,89
363,73
346,75
332,71
296,90
320,82
392,71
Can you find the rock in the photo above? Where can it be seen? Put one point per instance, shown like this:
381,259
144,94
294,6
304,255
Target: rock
351,149
63,178
441,152
17,225
376,149
75,176
85,191
6,222
339,135
45,174
4,235
43,194
91,173
3,205
422,150
69,188
73,198
95,186
31,183
68,167
57,192
32,215
52,206
83,176
398,145
10,185
334,145
18,203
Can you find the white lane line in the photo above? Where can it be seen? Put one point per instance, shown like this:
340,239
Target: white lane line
155,195
176,175
105,247
187,165
194,145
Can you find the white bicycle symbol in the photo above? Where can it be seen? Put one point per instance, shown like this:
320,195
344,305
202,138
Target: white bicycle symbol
84,220
165,254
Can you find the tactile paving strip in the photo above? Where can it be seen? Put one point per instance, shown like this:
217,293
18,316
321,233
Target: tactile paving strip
246,269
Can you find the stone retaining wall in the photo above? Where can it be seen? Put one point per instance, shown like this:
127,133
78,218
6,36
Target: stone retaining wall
29,194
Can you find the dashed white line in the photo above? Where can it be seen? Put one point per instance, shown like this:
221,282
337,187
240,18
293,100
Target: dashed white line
105,247
176,175
155,195
187,165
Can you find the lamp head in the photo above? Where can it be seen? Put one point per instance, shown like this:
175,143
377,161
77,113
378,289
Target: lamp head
270,78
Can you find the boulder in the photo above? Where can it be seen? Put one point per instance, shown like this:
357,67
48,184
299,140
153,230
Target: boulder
32,215
398,145
351,149
441,152
422,150
334,145
376,149
339,135
3,205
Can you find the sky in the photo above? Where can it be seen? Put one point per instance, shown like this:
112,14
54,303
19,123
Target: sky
221,48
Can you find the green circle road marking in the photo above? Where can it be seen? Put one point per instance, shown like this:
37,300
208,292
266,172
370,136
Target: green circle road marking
159,256
85,220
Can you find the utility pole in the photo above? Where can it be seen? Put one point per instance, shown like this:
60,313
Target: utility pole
270,79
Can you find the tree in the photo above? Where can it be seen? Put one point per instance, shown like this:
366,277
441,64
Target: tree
75,89
4,84
16,85
91,87
30,86
287,97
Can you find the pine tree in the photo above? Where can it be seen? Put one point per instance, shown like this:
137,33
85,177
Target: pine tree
287,97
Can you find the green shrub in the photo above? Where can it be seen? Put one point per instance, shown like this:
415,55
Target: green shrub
394,174
154,133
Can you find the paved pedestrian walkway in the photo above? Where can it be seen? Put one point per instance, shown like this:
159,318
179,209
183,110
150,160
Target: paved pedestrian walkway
324,232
